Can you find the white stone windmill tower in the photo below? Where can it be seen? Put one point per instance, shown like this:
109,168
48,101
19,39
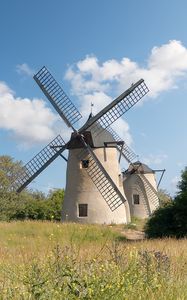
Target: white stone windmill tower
94,189
141,189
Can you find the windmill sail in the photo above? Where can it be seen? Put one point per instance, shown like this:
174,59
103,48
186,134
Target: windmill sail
38,163
57,97
152,194
130,156
150,199
145,199
102,180
118,107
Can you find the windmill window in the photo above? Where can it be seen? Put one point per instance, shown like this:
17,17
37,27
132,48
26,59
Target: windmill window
136,199
83,210
84,164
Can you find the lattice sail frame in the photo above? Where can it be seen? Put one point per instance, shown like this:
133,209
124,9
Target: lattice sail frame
144,199
38,163
123,106
152,194
117,107
70,115
102,180
130,156
57,97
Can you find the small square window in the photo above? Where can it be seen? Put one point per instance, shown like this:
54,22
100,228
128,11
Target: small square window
136,199
84,164
83,210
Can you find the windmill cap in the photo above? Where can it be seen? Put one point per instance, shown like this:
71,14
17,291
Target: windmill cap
138,167
103,136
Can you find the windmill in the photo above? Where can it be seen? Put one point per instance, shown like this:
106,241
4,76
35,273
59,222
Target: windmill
139,182
141,189
94,189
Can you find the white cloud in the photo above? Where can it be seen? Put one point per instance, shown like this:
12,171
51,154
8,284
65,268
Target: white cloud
93,81
154,159
29,121
24,69
165,65
95,98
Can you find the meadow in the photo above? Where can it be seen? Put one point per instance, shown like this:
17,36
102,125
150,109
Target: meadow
46,260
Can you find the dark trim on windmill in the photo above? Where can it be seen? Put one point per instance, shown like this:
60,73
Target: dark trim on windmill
118,143
163,171
55,148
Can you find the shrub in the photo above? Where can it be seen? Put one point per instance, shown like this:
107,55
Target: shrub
171,220
161,224
31,205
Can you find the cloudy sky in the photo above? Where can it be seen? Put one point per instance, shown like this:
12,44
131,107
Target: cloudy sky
96,50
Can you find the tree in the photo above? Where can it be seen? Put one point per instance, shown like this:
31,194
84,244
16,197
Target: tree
171,219
181,205
55,201
8,200
28,204
8,171
164,197
182,185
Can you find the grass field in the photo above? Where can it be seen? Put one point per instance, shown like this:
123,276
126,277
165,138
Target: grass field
42,260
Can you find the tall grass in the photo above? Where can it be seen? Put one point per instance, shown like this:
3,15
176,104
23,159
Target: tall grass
42,260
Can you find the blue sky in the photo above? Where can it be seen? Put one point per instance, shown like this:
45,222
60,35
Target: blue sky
96,49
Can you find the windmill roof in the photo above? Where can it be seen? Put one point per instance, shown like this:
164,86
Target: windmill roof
138,167
92,138
104,136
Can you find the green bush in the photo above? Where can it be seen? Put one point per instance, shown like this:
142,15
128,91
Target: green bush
171,220
161,224
31,205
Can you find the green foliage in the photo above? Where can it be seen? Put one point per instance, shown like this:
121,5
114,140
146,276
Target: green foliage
54,203
8,171
171,219
49,260
161,223
33,205
28,205
164,197
182,185
62,274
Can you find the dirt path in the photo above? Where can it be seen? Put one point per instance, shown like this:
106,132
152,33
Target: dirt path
133,235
